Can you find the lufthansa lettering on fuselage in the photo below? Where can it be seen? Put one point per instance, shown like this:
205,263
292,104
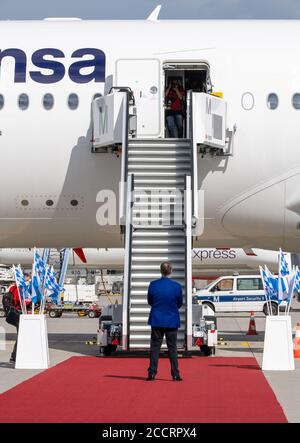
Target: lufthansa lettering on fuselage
47,59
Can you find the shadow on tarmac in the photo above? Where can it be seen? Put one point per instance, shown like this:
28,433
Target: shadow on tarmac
256,368
7,365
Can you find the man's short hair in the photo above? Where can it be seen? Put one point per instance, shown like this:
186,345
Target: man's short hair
27,274
166,268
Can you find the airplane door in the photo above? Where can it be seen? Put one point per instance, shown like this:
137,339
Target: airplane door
143,77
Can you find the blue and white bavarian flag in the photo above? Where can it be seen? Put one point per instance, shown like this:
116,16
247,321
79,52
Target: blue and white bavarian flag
39,269
23,286
283,277
52,288
270,283
297,280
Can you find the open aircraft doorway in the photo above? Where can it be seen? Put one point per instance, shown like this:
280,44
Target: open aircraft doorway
185,76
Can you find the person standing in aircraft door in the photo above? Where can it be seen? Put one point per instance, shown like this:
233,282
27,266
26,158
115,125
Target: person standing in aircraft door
165,299
174,108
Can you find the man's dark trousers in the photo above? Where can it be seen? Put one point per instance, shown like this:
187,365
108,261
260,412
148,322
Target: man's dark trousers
157,335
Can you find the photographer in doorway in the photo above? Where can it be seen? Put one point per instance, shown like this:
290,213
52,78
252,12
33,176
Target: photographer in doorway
174,99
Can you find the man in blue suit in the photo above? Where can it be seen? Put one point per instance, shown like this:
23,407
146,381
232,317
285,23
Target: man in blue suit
165,299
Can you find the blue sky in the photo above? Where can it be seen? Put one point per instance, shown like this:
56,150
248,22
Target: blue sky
139,9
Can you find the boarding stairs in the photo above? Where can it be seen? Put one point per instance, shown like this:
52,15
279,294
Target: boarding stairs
157,169
158,199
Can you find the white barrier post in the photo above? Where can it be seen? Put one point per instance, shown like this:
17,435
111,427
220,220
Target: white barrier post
278,346
32,349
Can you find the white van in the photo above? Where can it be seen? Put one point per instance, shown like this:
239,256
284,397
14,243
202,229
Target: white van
236,293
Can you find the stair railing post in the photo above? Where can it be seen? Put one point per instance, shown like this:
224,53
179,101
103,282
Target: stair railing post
127,263
188,261
124,161
194,157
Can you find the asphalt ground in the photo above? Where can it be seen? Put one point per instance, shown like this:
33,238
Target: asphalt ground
68,336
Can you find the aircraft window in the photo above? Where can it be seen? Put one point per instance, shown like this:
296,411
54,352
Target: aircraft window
296,100
73,101
97,95
23,101
49,202
74,202
247,101
1,101
272,101
48,101
24,202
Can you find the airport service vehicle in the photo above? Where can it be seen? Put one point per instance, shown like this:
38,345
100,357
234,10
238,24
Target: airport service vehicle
82,310
236,293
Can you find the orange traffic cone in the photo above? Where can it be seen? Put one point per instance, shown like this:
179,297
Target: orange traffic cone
252,327
297,342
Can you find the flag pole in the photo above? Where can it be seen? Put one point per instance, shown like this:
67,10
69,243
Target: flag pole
291,293
19,294
263,282
32,273
268,294
43,292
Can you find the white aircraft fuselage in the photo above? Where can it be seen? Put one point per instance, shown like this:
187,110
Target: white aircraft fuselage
252,198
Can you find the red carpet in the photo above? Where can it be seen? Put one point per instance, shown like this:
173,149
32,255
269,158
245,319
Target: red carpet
91,389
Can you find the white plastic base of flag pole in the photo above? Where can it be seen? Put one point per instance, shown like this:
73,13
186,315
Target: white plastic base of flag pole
32,349
278,346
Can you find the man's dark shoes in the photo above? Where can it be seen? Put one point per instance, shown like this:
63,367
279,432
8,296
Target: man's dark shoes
150,377
177,378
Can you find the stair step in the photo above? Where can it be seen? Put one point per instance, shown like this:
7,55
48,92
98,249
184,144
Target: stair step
158,193
139,222
159,241
154,202
165,186
146,346
160,159
172,249
137,318
159,258
148,181
158,175
142,293
160,211
154,267
144,284
140,334
163,233
186,152
150,275
160,143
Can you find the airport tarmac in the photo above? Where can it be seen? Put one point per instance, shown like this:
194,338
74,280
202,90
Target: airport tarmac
67,337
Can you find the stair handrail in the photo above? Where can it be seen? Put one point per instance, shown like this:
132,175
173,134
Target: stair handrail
194,159
188,260
124,161
127,261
